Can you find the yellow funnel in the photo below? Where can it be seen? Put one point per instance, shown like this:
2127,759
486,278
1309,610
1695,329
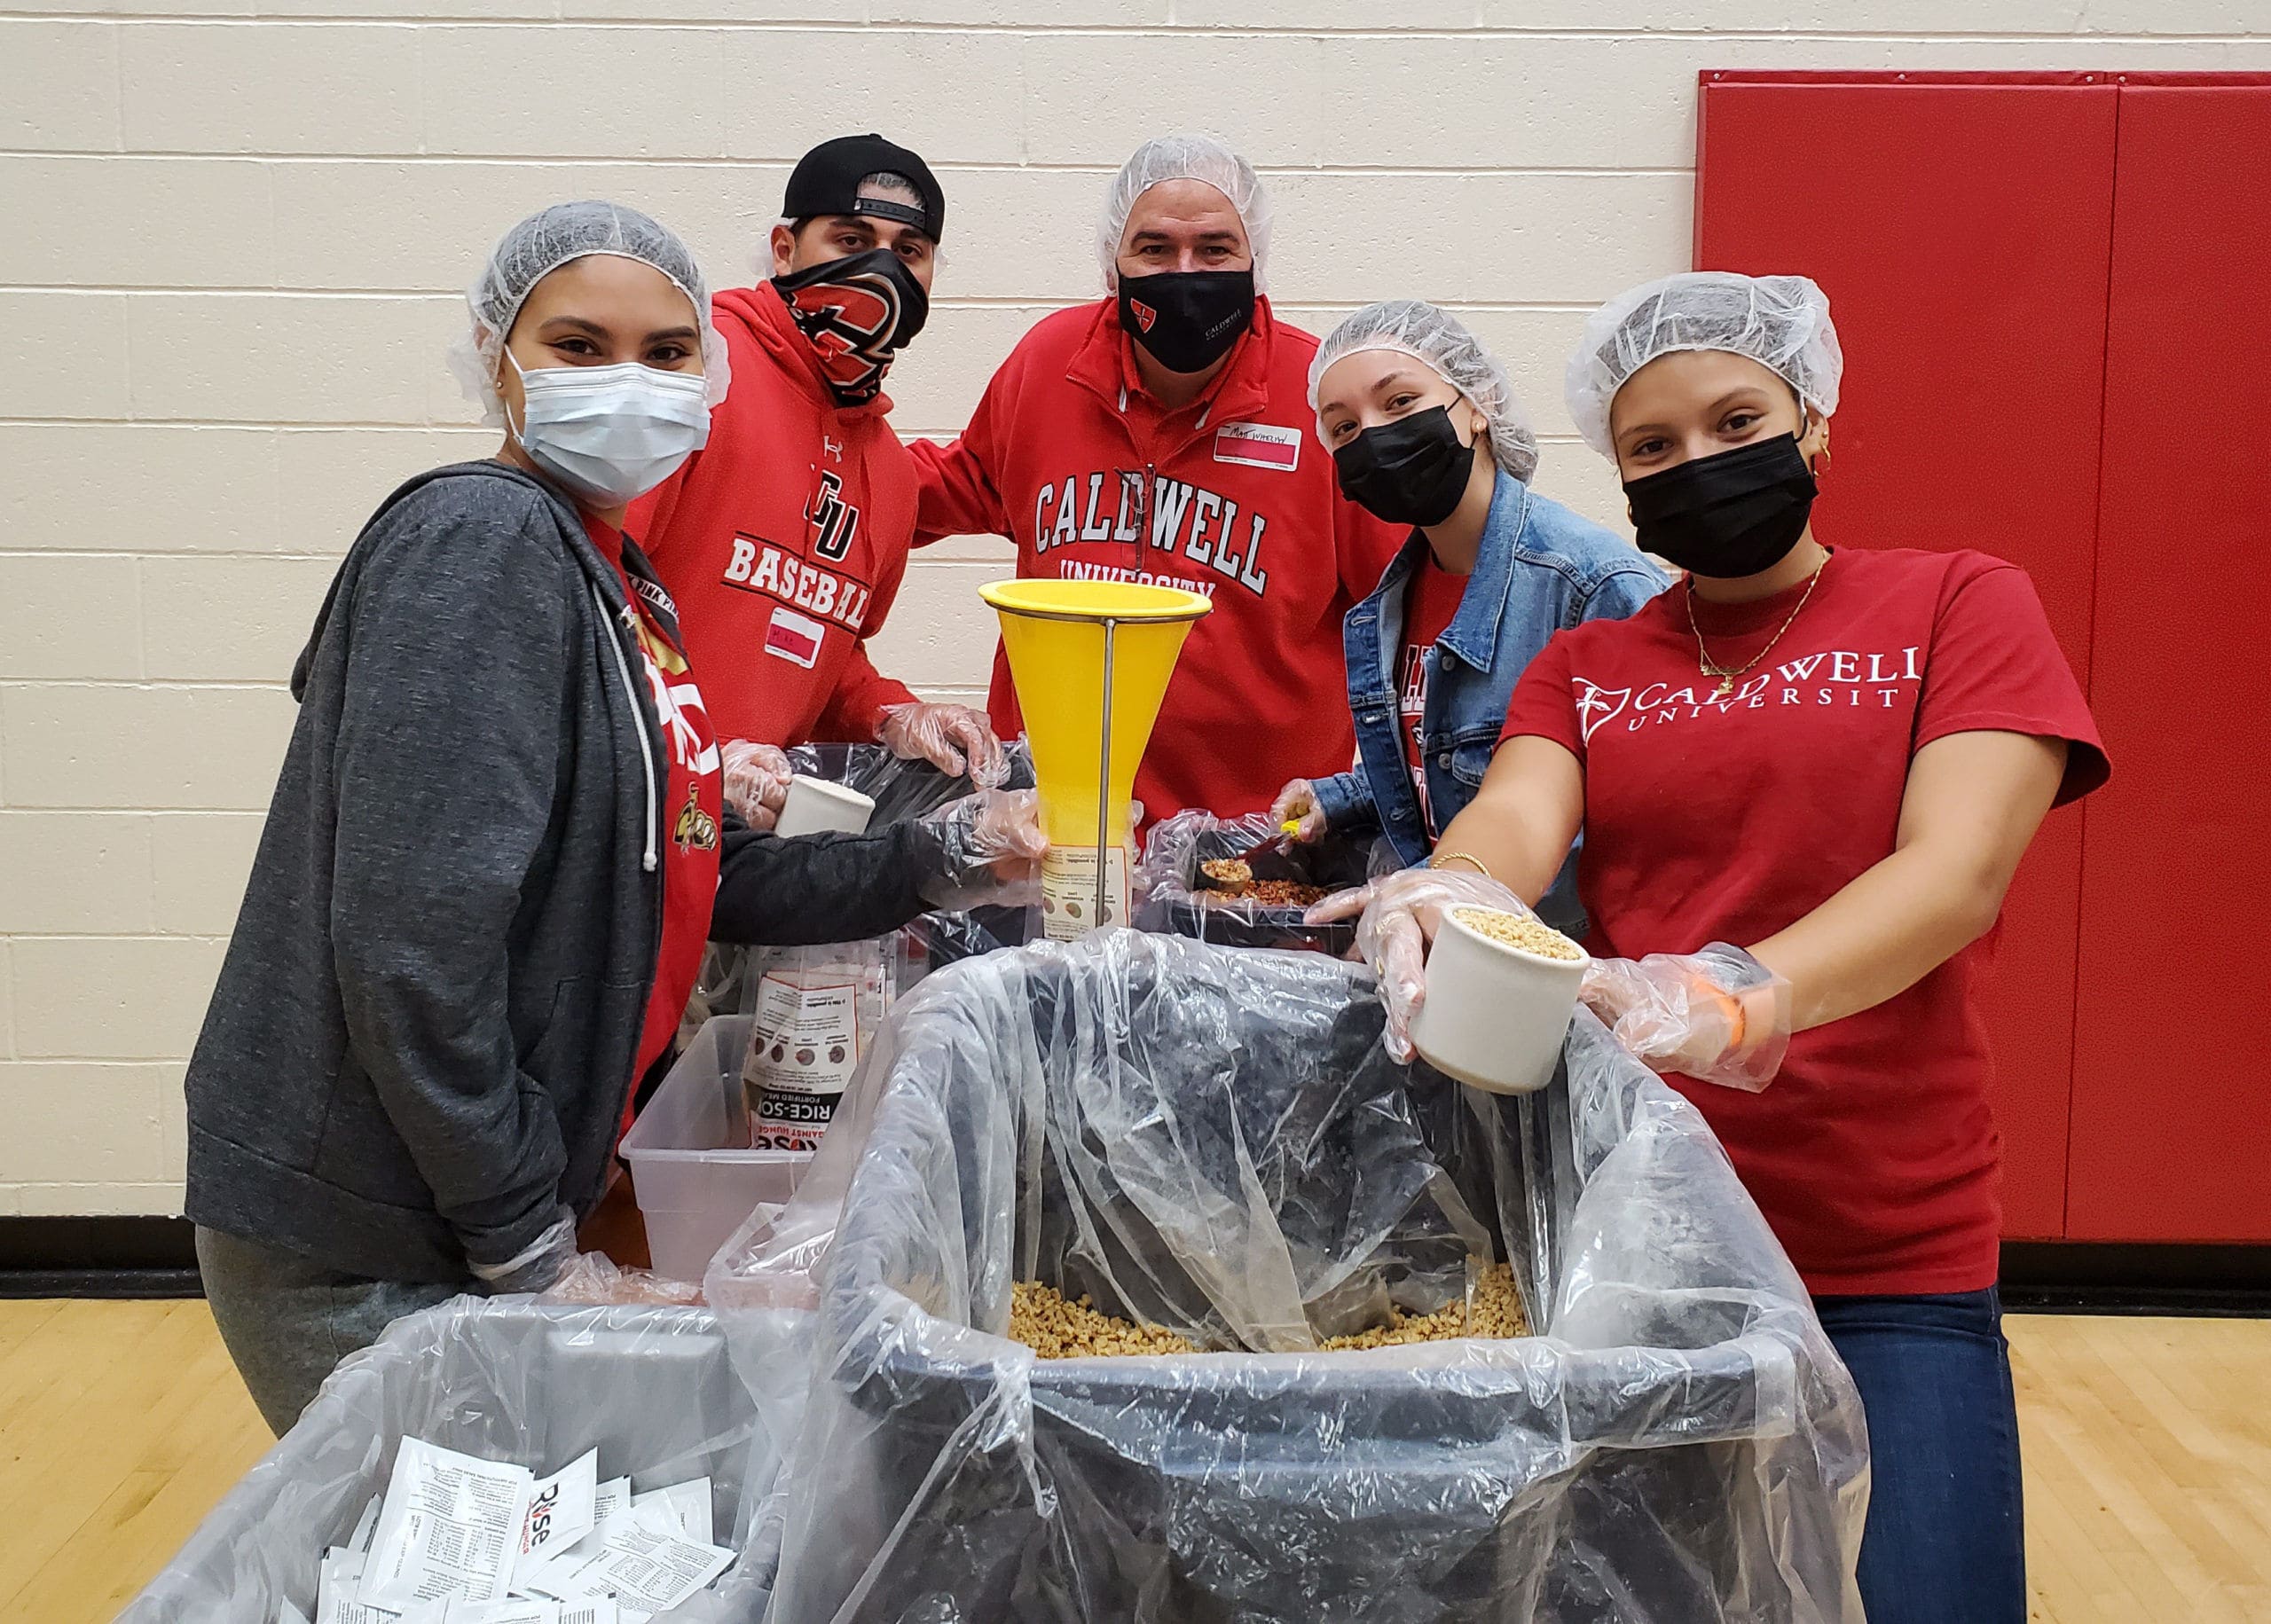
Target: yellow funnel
1090,661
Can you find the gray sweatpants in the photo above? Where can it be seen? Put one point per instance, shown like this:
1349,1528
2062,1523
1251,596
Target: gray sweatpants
287,1320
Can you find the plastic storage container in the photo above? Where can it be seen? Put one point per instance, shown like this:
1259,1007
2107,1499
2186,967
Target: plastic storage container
690,1164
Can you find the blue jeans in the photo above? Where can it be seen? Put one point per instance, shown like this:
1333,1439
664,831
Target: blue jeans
1944,1543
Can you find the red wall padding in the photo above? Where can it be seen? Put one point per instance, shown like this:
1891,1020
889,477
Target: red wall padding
1962,231
2172,1122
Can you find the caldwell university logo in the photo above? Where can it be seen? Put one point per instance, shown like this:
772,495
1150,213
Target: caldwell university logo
1144,314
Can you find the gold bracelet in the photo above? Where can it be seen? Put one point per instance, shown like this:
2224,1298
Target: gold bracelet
1481,867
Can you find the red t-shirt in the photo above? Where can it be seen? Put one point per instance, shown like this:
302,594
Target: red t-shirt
1872,1154
692,794
1430,602
1229,496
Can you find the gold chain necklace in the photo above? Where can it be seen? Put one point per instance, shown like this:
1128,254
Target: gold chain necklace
1727,674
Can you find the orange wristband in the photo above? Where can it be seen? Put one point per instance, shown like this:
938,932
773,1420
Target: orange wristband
1731,1010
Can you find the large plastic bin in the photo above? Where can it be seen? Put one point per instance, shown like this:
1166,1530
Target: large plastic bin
696,1176
510,1378
1213,1138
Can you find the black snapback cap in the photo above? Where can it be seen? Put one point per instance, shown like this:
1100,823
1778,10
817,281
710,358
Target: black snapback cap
826,182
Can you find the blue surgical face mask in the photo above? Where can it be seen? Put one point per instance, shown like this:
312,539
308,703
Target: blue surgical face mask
611,434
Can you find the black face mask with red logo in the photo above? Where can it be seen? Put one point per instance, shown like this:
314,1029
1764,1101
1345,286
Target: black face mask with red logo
857,313
1187,319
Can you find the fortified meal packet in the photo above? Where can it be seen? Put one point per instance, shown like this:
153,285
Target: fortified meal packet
450,1527
816,1011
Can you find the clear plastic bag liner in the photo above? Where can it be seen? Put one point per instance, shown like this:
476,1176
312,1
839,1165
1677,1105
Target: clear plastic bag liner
1213,1139
652,1389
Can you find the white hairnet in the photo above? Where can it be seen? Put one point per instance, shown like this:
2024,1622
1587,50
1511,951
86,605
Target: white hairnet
539,246
1438,339
1782,323
1201,158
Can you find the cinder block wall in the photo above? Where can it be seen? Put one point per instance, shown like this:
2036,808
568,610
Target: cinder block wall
235,230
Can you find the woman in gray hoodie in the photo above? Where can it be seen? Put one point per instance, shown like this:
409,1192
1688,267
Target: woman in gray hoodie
497,845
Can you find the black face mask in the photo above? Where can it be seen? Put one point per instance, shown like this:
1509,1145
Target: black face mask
1411,471
1726,516
857,313
1188,320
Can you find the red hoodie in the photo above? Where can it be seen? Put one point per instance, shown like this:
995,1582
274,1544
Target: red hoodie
784,540
1231,495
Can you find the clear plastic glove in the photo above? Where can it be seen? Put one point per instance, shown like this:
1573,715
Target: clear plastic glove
594,1278
984,851
537,1265
757,780
1296,803
954,739
1717,1016
1396,916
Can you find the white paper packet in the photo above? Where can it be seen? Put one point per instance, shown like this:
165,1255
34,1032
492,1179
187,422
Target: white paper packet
337,1583
687,1501
365,1526
642,1563
448,1528
561,1511
541,1576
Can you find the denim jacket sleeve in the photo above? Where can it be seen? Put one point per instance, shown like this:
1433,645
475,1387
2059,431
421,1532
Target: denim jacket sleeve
1621,593
1346,799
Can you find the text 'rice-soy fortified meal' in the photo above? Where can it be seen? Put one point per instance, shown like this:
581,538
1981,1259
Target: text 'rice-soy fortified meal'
816,1011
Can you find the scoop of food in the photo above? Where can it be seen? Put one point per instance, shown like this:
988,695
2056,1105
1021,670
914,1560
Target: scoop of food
1231,878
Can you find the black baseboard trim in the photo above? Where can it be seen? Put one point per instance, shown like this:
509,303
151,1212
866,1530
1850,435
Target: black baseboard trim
2200,1281
128,1257
123,1257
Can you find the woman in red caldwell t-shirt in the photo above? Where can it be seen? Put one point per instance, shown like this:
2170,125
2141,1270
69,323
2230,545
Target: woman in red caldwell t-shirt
1836,760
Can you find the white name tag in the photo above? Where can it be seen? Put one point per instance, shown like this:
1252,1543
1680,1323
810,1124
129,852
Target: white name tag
1259,445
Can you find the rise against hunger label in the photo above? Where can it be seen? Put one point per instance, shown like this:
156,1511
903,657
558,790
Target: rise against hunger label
801,1053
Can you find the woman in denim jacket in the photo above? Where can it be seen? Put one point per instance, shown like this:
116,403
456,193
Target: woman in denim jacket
1424,430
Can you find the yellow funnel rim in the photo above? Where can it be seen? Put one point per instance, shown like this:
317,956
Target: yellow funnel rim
1125,601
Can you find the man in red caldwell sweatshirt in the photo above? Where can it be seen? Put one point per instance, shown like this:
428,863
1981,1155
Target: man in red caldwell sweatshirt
1163,434
784,539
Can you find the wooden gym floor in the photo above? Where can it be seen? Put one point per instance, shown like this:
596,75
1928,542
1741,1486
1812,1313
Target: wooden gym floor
2147,1458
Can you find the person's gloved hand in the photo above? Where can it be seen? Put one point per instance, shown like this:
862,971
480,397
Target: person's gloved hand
1396,916
1717,1016
1297,804
757,780
537,1265
954,739
594,1278
983,851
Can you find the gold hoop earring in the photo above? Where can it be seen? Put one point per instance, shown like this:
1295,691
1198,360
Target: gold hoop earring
1822,461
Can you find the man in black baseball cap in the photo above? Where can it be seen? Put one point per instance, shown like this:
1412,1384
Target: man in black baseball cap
858,206
785,539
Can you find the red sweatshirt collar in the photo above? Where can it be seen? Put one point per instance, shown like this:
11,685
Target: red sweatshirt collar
1104,364
764,315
